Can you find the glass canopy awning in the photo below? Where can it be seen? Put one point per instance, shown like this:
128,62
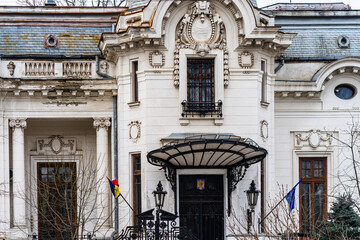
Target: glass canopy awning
220,151
208,151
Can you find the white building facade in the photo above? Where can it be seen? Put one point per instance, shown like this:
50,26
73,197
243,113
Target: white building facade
189,93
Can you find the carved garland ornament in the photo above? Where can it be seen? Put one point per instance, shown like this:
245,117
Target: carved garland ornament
134,131
56,144
314,138
201,29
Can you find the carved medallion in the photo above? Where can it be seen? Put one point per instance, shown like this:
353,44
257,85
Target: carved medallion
201,29
246,59
134,131
56,144
313,138
264,129
157,59
11,67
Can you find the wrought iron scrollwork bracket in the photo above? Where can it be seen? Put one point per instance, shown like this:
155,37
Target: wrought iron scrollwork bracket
235,175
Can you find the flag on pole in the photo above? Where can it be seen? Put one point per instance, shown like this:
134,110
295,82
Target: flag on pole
114,186
290,197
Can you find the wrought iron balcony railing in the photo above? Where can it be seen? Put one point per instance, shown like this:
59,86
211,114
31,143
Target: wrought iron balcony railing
202,109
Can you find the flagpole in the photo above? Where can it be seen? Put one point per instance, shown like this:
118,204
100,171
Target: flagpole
127,203
262,220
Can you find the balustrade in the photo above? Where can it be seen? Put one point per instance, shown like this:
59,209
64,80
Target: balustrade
39,69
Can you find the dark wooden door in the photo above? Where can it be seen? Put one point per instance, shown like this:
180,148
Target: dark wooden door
56,201
202,206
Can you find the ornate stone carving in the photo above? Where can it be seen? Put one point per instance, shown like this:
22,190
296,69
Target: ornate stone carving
11,66
201,29
18,123
56,144
156,59
264,129
246,59
134,131
313,138
102,123
104,67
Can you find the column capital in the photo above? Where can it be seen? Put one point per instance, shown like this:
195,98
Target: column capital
17,123
103,122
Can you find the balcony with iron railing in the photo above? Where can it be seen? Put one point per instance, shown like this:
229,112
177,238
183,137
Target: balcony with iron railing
202,109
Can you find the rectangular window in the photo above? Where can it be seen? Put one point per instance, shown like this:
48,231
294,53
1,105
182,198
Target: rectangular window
201,82
201,89
136,175
264,82
312,192
134,82
56,200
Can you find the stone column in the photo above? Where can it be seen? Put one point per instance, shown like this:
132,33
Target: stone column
102,159
18,156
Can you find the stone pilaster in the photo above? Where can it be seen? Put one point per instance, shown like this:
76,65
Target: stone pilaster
18,155
102,158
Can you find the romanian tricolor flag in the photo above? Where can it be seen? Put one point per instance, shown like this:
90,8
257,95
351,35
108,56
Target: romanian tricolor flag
114,186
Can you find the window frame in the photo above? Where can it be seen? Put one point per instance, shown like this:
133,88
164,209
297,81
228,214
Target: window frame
219,88
137,206
264,82
134,81
312,180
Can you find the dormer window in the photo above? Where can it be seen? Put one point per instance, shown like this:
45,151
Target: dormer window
51,41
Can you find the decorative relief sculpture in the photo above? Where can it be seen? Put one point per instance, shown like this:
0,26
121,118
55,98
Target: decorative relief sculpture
56,144
102,123
201,29
313,138
264,130
157,59
104,67
134,131
246,59
18,123
11,67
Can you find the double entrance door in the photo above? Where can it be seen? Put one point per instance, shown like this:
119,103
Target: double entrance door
56,194
202,205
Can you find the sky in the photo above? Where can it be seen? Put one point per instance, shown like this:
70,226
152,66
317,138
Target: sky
355,4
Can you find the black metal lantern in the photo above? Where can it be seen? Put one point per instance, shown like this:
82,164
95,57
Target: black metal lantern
159,195
252,195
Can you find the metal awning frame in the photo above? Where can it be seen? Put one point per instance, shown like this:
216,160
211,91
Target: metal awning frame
235,171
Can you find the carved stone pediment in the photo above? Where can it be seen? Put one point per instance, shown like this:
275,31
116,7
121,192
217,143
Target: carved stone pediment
55,145
313,138
201,29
